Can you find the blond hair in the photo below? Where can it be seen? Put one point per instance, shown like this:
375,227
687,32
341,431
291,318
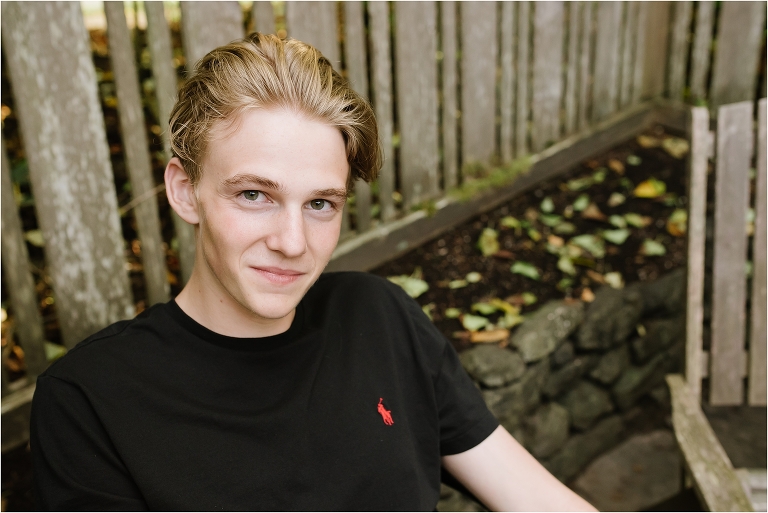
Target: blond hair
265,71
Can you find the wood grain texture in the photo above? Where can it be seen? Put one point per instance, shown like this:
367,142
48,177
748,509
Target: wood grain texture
628,38
523,58
450,100
416,75
381,92
479,55
263,16
136,149
585,65
700,51
207,25
734,151
164,74
641,26
507,86
54,84
572,66
28,324
605,88
713,474
548,30
739,42
697,228
678,51
756,386
656,36
315,23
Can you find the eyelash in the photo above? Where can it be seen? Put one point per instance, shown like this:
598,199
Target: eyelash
242,194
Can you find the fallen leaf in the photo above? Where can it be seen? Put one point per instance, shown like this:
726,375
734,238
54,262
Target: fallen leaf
677,224
483,308
555,241
510,320
616,165
534,234
581,202
565,264
531,214
637,220
488,243
427,309
617,221
503,253
484,337
651,188
509,222
547,205
647,141
675,146
615,280
550,220
600,174
473,277
568,211
452,313
616,199
595,276
414,287
457,284
35,237
591,243
634,160
53,351
529,298
526,298
626,183
504,306
587,295
564,284
565,228
526,269
579,184
652,248
593,212
473,322
617,237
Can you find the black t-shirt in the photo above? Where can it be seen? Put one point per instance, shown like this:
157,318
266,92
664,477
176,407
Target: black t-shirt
350,409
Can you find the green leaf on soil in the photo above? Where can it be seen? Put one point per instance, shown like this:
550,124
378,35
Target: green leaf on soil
547,205
617,221
565,264
677,224
634,160
565,228
488,243
600,174
553,249
473,277
637,220
534,234
529,298
651,188
473,322
526,269
509,320
427,309
626,183
579,184
483,308
54,351
550,220
452,313
591,243
414,287
564,284
35,237
652,248
504,306
675,146
616,199
457,284
617,237
614,279
581,202
509,222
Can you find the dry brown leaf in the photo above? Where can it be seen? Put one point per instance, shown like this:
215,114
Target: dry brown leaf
503,253
593,212
593,164
556,241
587,295
647,141
595,276
616,165
484,337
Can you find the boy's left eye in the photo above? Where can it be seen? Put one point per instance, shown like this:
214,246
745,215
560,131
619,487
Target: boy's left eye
318,204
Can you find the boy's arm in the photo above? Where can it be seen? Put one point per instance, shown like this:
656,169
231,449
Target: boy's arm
505,477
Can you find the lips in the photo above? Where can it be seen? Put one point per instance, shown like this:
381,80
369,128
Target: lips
278,275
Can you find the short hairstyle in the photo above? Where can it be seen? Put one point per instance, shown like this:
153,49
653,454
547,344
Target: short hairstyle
266,71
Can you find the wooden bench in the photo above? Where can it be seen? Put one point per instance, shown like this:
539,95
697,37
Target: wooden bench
732,370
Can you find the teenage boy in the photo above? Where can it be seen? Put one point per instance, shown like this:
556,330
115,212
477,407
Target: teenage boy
265,385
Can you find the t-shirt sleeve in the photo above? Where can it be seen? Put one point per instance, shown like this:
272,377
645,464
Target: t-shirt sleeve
75,465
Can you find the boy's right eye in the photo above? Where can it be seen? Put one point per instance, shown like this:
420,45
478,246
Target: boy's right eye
251,195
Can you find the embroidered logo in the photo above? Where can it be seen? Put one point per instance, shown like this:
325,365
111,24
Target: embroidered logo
386,415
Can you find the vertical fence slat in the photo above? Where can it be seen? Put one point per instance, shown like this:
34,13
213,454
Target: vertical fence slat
28,325
739,42
264,16
656,31
315,23
207,25
758,332
479,47
450,107
381,90
734,151
136,150
574,9
678,53
507,93
54,83
357,69
629,34
416,72
523,55
700,51
641,25
548,25
697,228
605,87
164,74
585,64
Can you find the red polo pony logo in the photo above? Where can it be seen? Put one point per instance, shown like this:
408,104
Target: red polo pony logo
386,415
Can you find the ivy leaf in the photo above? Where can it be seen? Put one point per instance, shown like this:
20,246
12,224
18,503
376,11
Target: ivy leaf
526,269
488,243
534,234
509,222
35,237
579,184
581,203
593,212
547,205
504,306
550,220
651,188
565,228
617,237
473,277
565,264
617,221
53,351
457,284
614,279
452,313
599,175
637,220
473,322
616,165
675,146
483,308
677,224
652,248
510,320
616,199
646,141
634,160
414,287
591,243
427,309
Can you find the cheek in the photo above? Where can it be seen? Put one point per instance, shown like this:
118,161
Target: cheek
323,236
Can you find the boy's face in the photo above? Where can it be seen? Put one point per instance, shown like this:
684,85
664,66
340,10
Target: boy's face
269,201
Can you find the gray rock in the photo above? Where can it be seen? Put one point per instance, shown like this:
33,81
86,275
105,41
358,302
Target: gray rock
665,295
491,365
562,378
547,328
659,335
562,355
611,365
610,318
660,394
582,448
585,403
510,403
547,430
637,381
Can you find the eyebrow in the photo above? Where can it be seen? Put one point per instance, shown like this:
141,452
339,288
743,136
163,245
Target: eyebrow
245,180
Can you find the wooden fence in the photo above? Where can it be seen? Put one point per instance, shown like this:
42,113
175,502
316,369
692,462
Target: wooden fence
453,85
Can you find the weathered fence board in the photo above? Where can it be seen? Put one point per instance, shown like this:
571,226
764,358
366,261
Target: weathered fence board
656,35
164,74
315,23
507,87
697,221
605,87
54,83
28,324
479,55
136,151
523,57
585,64
629,35
416,76
700,51
678,52
381,91
450,101
572,60
357,72
264,17
734,151
758,332
548,24
739,43
206,25
641,26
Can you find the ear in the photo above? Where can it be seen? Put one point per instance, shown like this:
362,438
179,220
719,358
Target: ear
181,193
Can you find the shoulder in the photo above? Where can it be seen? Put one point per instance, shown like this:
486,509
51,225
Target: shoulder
358,289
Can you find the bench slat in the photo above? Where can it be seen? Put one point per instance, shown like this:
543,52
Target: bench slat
700,51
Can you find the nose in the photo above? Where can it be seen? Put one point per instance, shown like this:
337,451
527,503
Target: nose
287,234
